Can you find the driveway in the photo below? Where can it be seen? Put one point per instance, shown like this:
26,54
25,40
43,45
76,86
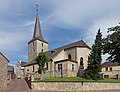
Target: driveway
17,85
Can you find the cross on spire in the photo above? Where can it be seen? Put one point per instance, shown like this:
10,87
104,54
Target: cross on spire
37,7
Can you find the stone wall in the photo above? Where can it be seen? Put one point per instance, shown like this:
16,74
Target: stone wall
3,72
74,86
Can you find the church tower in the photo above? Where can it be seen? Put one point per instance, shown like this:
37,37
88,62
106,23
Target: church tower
37,44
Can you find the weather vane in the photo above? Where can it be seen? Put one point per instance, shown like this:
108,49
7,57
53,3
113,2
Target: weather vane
37,7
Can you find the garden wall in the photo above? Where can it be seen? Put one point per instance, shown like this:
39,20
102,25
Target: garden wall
74,86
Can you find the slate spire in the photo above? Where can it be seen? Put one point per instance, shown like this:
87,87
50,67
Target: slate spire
37,28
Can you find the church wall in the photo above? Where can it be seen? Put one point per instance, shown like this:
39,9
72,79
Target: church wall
84,53
72,73
60,56
64,69
3,72
72,52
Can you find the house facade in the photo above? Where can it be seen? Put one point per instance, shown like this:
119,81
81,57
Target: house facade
11,73
3,71
19,69
111,70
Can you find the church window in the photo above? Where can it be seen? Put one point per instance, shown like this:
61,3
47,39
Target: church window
110,68
46,66
81,61
59,67
42,44
72,67
33,68
69,57
106,68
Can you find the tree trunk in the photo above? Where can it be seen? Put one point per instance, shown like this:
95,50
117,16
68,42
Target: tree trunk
42,74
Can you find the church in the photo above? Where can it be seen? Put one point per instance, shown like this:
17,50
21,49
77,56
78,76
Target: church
67,61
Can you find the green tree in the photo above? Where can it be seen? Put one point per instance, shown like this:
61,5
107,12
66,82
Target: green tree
42,59
94,60
111,44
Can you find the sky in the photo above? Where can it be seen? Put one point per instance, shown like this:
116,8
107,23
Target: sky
62,22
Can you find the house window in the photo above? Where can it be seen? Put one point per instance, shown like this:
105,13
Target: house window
69,57
106,68
81,61
59,67
72,67
42,44
46,66
33,68
110,68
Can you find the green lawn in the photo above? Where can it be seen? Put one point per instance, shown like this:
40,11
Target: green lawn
75,79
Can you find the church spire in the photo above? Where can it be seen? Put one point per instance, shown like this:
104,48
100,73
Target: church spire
37,28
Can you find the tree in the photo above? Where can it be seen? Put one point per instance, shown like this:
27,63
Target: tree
41,59
111,44
94,60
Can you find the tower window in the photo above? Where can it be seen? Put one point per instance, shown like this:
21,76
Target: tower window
69,57
42,44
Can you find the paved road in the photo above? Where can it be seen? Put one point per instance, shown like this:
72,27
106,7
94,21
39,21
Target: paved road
17,85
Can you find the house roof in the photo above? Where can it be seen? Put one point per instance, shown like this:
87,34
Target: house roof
10,68
52,53
4,57
31,63
23,63
108,64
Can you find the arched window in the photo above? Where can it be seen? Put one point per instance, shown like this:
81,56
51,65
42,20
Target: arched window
33,68
81,61
69,57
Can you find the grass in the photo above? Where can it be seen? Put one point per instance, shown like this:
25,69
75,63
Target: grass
74,79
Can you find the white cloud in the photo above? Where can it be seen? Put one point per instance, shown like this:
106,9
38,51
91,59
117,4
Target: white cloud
103,24
79,13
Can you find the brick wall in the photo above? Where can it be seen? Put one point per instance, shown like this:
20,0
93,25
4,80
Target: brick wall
74,86
3,72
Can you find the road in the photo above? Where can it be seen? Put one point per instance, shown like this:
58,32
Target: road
17,85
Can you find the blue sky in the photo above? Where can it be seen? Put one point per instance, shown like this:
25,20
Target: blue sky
62,22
